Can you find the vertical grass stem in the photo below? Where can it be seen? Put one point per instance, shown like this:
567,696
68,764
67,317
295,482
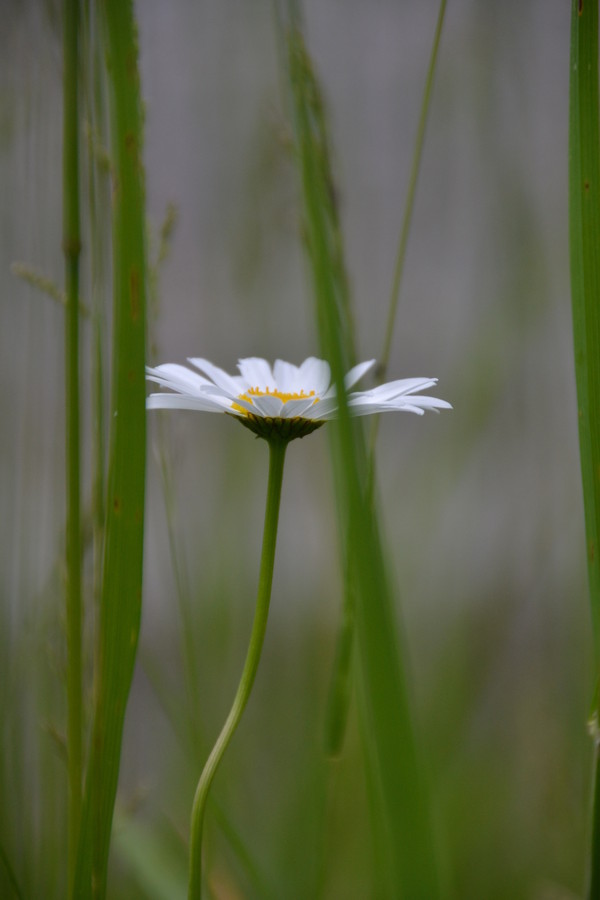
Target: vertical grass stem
121,594
71,249
584,227
410,197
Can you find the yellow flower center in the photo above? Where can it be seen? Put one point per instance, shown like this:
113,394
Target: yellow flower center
268,392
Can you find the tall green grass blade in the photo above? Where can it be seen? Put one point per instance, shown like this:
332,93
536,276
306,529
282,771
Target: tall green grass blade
72,249
401,793
410,197
98,197
584,229
584,232
122,572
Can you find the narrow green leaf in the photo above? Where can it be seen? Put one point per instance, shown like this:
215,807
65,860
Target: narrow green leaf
391,748
122,573
584,235
410,198
72,250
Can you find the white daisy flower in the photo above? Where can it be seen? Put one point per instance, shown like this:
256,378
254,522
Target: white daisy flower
287,400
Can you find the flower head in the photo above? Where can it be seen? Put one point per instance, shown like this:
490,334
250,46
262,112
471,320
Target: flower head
283,401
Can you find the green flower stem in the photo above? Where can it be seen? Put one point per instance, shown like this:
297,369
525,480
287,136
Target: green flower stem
71,249
277,448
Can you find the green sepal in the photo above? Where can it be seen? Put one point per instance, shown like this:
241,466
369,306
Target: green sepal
277,428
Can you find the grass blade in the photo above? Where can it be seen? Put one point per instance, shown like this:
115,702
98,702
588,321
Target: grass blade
122,572
584,228
72,249
410,198
401,796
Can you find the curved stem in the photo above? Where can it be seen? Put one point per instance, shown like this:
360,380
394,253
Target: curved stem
277,450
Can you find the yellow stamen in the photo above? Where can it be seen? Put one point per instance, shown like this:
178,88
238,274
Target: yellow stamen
268,392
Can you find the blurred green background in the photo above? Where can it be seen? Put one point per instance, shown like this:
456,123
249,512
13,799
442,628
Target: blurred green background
482,505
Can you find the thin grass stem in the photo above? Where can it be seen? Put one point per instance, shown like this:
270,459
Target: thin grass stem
277,450
99,221
584,227
410,197
71,249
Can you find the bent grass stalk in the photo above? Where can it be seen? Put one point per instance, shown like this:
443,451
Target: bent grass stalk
277,450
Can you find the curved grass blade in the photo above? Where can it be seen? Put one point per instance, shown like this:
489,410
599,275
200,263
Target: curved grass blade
122,570
395,770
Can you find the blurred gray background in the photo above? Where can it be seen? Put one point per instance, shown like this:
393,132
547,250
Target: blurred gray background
482,505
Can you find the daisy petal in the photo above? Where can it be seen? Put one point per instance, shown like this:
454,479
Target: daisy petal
256,373
400,388
267,405
315,375
229,383
215,391
176,377
245,404
185,401
356,373
297,408
426,402
326,408
364,407
286,377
